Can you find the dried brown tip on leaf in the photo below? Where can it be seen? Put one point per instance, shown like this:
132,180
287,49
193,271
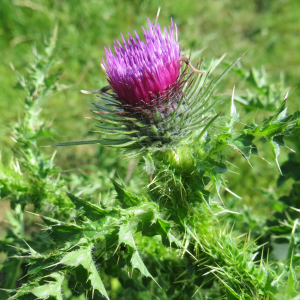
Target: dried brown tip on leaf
187,61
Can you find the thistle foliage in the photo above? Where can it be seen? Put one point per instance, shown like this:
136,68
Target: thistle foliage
172,241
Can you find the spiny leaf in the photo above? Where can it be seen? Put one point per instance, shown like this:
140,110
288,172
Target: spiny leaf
84,257
43,291
61,226
124,197
279,114
106,142
234,116
137,263
77,143
126,234
292,281
276,151
244,145
88,208
149,165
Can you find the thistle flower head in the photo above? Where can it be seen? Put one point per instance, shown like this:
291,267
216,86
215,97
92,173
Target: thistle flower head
154,103
141,72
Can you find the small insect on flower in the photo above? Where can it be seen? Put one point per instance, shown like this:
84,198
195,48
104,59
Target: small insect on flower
146,74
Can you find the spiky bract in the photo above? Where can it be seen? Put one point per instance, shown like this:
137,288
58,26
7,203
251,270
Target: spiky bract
182,120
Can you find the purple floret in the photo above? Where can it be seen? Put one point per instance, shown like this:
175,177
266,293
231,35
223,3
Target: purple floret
143,71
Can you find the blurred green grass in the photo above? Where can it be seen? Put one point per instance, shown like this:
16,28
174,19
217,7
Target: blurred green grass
266,31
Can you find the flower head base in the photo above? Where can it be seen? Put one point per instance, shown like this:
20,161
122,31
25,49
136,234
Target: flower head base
142,72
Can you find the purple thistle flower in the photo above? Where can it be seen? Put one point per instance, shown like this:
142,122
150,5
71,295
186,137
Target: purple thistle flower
142,72
154,104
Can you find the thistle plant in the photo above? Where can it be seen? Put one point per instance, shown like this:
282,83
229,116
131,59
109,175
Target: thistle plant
171,241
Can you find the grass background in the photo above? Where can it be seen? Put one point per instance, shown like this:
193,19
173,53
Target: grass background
266,31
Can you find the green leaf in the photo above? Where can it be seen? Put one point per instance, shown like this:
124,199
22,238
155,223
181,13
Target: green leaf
78,143
88,208
231,294
126,234
84,257
61,226
137,263
43,291
279,114
276,151
172,239
234,116
292,282
14,223
242,143
124,196
149,165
